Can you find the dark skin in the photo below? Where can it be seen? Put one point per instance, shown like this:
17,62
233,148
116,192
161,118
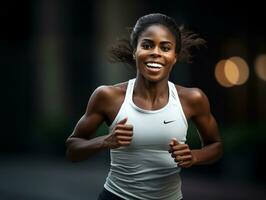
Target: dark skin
155,45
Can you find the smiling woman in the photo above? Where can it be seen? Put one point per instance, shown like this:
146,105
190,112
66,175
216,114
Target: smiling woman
155,53
147,117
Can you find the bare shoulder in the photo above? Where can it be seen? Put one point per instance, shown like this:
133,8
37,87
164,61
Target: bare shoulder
107,99
105,92
193,100
191,95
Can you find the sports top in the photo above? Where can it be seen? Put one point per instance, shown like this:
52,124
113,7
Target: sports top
145,169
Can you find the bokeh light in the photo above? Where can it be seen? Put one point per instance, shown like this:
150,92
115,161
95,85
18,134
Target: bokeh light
260,66
231,72
220,75
242,68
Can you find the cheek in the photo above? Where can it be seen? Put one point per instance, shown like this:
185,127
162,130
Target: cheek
171,59
141,53
139,60
141,56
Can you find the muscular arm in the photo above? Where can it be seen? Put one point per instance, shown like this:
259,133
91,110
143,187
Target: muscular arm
196,107
207,128
79,144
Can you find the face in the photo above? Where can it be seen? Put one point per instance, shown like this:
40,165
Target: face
155,53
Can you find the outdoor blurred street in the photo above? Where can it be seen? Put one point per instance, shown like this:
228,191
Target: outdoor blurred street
47,178
53,57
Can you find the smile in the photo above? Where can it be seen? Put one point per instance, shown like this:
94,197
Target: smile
154,66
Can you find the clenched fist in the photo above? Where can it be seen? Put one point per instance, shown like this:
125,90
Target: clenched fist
181,154
121,135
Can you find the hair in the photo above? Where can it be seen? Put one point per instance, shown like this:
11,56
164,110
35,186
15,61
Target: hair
122,50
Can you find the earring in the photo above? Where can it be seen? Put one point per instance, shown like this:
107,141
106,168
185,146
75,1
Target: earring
134,57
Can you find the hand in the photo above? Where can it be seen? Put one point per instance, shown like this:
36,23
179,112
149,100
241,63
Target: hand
181,154
121,135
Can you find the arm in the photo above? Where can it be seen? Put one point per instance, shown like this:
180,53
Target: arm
81,144
208,130
198,109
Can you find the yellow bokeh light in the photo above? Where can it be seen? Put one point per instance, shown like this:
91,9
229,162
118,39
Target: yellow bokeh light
220,75
243,69
232,71
260,66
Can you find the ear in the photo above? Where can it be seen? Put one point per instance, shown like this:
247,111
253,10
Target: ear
176,58
134,54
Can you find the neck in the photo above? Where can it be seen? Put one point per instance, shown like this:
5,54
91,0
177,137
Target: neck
151,90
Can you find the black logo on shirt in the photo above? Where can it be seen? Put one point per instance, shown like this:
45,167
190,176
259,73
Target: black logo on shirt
167,122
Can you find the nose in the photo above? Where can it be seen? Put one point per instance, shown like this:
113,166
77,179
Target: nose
156,52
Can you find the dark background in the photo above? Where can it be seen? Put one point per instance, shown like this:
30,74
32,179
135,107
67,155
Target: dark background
52,59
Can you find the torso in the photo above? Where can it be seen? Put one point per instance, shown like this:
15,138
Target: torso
117,95
146,165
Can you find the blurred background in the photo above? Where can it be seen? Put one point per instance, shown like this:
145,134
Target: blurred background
53,57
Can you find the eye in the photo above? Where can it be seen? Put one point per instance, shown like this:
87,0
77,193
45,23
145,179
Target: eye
146,45
166,48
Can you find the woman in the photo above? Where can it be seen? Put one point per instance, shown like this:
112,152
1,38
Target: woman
147,117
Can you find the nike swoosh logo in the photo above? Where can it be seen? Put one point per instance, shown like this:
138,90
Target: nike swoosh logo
167,122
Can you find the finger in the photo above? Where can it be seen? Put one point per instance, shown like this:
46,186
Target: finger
181,152
170,150
186,158
124,138
123,132
183,158
173,142
184,164
123,121
178,159
124,126
124,143
180,147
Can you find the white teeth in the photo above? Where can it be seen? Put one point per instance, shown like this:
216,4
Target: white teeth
156,65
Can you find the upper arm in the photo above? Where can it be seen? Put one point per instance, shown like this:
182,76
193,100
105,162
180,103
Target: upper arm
203,118
94,116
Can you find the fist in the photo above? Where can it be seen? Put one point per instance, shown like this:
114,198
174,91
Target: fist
121,135
181,154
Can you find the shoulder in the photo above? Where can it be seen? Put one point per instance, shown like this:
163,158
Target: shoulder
194,99
107,91
106,95
191,95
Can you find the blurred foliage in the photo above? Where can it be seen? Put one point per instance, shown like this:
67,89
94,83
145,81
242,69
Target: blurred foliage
243,135
102,130
48,135
193,139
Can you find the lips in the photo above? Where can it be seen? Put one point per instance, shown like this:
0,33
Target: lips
154,66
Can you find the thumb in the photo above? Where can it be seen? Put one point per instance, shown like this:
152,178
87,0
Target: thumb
123,121
174,142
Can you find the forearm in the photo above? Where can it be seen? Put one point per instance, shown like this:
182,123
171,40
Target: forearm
208,154
79,149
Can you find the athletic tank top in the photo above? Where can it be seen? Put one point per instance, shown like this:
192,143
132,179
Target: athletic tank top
145,169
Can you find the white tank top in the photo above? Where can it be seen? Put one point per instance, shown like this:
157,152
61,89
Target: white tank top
145,169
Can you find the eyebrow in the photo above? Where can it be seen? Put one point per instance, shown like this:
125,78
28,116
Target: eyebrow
149,40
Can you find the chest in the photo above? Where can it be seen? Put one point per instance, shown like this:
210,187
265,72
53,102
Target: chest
155,130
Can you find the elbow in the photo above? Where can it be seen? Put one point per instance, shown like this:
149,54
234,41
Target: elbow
69,155
220,149
70,150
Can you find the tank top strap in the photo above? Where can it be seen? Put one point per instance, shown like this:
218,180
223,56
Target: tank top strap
130,88
174,98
